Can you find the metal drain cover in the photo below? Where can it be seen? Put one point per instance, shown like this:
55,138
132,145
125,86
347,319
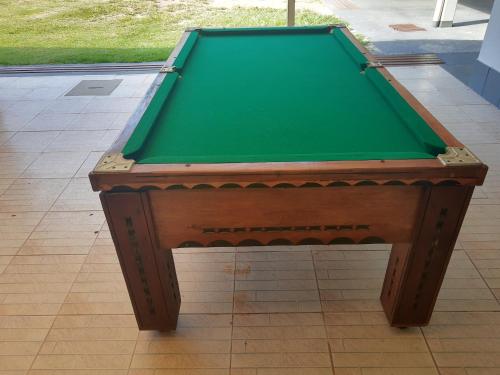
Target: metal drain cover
93,87
406,27
411,59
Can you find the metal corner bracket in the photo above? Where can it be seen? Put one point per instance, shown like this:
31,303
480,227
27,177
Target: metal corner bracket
167,69
374,64
370,64
114,163
455,156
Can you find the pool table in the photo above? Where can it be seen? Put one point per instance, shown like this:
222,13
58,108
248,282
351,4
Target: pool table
283,136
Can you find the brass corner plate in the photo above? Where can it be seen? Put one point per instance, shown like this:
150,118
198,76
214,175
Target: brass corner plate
458,156
374,64
167,69
114,163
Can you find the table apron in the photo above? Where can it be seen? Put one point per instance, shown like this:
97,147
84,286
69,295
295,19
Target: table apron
275,216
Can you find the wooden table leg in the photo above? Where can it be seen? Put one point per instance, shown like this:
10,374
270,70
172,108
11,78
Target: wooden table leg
149,272
415,271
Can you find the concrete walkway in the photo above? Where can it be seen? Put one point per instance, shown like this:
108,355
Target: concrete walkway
373,17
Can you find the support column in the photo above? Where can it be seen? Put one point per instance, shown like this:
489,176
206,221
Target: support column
444,13
149,272
291,13
415,271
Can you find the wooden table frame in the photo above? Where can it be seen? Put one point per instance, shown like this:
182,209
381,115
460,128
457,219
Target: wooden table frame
417,205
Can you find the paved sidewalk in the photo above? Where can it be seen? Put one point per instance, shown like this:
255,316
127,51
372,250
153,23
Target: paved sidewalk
64,307
373,17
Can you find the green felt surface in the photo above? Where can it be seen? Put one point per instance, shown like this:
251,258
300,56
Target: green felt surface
270,95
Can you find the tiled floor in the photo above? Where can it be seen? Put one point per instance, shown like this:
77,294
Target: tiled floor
64,308
372,18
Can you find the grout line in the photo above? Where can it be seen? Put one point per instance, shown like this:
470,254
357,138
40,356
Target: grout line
232,312
479,272
330,351
429,350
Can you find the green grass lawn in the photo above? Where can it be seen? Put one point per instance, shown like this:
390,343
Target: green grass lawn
89,31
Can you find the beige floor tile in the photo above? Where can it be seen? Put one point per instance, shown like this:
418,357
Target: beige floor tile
201,341
12,164
16,362
30,309
95,121
50,122
25,322
29,106
64,233
369,305
375,345
105,308
213,274
266,270
15,228
5,183
81,140
55,165
29,141
67,104
364,343
43,268
279,332
78,196
280,343
35,278
110,104
467,359
191,371
283,359
10,121
462,331
383,360
180,361
482,371
396,371
81,361
90,347
15,348
21,334
31,195
464,345
5,136
20,339
34,287
35,298
78,372
192,333
92,333
182,346
89,164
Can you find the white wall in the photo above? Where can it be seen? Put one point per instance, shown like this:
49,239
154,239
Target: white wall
490,49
